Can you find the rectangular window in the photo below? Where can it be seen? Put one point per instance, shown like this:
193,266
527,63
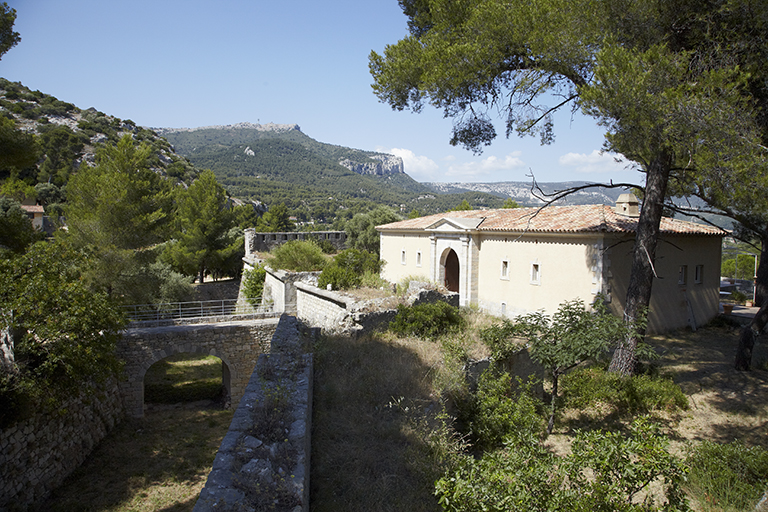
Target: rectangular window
503,308
402,257
698,277
682,275
505,269
535,273
418,258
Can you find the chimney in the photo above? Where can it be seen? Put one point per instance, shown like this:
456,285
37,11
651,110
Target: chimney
627,205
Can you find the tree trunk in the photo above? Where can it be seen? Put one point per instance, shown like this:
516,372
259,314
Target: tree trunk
750,333
643,257
761,277
552,404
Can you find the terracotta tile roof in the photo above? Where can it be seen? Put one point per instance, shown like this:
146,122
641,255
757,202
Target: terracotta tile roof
553,219
33,208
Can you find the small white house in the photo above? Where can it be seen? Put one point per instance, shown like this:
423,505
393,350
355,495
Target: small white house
514,261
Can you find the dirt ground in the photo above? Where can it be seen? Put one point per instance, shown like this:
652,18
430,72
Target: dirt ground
725,404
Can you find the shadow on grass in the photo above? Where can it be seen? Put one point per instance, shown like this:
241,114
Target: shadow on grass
366,392
701,363
146,464
161,461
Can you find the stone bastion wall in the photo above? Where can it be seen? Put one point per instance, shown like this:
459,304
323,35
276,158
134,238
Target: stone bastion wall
263,242
38,453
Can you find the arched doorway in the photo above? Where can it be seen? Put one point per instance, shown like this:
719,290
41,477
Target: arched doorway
452,271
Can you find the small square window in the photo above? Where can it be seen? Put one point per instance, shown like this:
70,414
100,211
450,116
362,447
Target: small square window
418,258
682,274
698,276
535,273
402,257
505,269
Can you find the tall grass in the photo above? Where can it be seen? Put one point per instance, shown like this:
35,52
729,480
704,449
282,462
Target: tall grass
727,477
373,398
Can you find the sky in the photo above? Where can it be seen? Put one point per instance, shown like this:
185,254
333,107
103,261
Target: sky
191,63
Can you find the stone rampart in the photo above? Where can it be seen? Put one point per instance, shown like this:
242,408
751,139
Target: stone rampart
263,461
263,242
38,453
237,344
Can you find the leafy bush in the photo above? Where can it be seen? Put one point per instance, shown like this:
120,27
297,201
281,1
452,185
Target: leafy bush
605,471
253,284
297,256
569,337
500,339
66,333
727,477
500,414
426,320
630,395
348,268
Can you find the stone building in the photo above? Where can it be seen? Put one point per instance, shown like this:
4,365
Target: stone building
515,261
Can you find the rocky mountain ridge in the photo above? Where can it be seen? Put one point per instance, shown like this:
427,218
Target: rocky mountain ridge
269,127
521,191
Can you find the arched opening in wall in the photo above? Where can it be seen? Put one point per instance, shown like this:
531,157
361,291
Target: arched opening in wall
187,377
451,271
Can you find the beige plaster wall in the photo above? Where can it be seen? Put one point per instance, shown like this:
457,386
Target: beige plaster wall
673,305
565,273
392,245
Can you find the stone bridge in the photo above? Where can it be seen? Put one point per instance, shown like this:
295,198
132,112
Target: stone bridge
237,343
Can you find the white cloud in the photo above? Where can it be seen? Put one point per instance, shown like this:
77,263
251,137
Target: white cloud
595,162
420,168
468,171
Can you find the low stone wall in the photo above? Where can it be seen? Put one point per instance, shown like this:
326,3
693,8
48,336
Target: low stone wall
37,454
280,288
337,313
321,308
263,461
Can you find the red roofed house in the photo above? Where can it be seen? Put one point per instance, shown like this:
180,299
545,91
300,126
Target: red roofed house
515,261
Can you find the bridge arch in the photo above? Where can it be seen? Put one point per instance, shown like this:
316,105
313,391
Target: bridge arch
228,374
237,344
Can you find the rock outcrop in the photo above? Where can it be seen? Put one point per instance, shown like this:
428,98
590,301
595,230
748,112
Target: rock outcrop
385,164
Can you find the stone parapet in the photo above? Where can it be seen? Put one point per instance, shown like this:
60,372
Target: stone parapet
263,461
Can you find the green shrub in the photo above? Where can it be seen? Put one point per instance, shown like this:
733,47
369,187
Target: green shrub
727,477
253,284
297,256
606,471
348,268
503,415
499,338
374,280
426,320
631,395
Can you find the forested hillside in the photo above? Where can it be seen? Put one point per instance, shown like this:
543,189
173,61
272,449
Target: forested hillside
280,164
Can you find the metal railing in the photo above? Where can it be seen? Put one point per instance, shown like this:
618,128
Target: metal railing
194,309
